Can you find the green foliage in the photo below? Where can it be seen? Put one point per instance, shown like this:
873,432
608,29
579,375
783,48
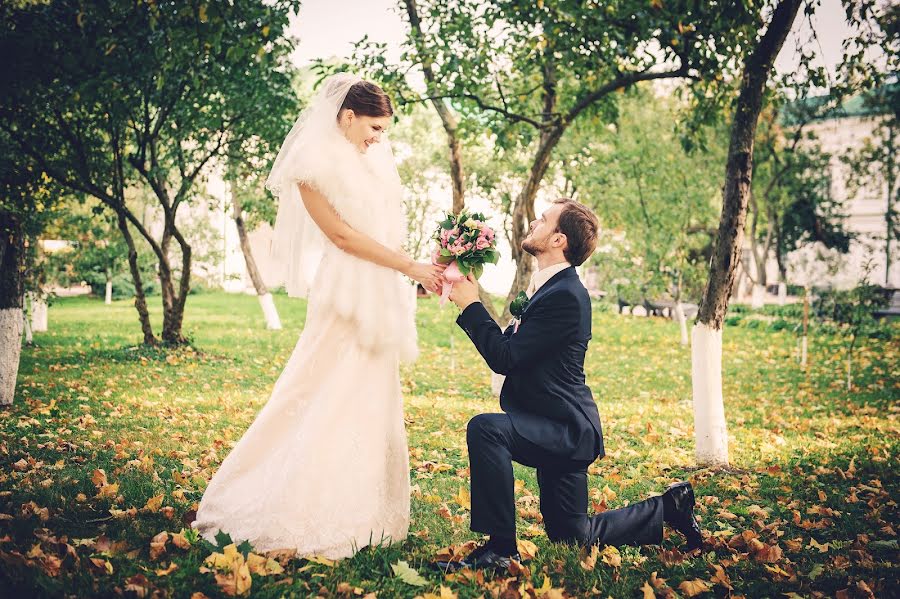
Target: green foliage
792,204
491,58
134,76
420,147
656,203
790,311
144,97
852,310
96,253
847,313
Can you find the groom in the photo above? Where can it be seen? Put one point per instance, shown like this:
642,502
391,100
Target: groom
550,421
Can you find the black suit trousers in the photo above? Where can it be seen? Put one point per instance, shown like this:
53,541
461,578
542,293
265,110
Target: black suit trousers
494,445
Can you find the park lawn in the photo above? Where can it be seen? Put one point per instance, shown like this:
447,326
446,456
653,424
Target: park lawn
808,507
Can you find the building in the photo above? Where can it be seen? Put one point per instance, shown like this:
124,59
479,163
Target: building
840,133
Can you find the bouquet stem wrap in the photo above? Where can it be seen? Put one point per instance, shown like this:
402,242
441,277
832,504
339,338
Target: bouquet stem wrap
451,275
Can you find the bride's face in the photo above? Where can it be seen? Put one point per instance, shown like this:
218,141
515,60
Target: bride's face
362,131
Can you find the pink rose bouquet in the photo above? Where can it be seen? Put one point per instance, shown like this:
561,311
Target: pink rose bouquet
465,243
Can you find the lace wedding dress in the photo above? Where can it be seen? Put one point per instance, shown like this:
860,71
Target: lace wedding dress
324,467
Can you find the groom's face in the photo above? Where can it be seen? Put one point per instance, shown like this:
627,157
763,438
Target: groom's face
542,234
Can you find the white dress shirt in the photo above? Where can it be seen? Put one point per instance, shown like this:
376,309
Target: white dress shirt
542,276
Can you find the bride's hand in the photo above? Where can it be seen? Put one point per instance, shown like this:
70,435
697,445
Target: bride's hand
429,275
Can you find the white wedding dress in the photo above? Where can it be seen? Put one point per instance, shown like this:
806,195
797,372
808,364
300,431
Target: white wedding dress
324,467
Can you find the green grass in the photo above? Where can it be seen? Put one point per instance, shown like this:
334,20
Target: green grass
811,462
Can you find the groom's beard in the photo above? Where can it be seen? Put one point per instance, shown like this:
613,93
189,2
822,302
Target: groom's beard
533,248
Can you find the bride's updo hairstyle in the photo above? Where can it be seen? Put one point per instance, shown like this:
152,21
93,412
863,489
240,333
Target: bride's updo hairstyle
365,98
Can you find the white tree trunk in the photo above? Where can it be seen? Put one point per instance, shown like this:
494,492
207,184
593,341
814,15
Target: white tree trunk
26,323
682,322
38,313
108,299
757,298
11,322
782,293
268,307
497,381
849,366
803,351
710,430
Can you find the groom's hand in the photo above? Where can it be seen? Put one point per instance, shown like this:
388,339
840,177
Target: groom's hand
465,292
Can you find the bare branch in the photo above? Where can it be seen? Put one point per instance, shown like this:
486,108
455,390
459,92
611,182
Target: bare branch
515,118
623,80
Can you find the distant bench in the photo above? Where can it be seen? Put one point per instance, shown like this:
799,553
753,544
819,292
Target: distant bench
893,309
659,307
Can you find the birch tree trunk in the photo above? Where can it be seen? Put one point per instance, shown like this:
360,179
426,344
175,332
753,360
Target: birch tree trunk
804,337
682,322
273,322
38,313
710,429
451,128
26,321
108,298
12,292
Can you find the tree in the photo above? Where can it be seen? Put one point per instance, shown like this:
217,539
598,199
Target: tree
249,207
710,430
26,202
417,142
98,254
528,71
791,202
109,96
646,188
12,292
853,311
449,120
875,29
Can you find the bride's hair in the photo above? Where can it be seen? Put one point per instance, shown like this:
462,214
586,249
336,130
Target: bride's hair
367,99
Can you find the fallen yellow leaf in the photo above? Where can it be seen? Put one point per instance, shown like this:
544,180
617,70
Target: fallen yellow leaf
694,587
154,503
526,548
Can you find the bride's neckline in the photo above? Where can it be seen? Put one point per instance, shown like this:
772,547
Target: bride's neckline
350,149
349,143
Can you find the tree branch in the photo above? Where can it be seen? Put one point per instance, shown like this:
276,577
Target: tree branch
515,118
620,81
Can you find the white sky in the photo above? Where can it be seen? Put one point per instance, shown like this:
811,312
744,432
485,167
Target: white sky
329,28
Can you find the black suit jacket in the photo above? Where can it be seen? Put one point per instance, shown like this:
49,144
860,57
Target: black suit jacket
544,394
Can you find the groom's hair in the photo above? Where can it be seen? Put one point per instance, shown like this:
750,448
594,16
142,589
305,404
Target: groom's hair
580,227
367,99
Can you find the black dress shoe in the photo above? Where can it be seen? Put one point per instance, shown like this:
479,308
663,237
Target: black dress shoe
681,516
483,557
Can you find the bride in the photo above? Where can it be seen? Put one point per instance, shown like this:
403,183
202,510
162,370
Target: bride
324,467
